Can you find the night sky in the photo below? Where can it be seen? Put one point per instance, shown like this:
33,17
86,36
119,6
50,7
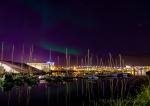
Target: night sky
103,26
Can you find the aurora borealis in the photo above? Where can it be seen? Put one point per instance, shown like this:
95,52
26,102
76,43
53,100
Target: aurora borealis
101,26
59,49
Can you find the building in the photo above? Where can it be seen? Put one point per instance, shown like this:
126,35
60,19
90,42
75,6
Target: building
15,67
42,66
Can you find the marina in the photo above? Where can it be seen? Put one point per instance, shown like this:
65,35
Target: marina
74,53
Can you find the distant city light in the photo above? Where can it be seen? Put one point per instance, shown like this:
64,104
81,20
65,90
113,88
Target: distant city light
50,63
127,66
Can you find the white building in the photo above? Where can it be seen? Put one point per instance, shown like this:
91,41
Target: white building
42,66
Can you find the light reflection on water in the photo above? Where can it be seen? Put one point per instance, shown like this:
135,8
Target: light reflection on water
68,93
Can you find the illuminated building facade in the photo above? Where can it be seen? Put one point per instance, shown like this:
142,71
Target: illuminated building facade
42,66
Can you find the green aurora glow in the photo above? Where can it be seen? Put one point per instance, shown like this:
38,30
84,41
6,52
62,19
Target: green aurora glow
59,49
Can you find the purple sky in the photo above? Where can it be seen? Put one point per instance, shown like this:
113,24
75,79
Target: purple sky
102,26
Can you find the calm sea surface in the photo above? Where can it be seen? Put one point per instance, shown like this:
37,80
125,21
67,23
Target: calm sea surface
73,93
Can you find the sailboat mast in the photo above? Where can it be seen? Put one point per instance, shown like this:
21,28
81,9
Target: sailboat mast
66,57
88,59
22,57
77,61
12,55
120,60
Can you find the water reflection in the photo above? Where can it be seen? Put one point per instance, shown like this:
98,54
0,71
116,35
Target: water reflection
73,93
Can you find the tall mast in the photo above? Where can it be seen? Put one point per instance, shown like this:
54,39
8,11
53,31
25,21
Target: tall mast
101,62
12,55
69,61
22,56
91,60
88,57
31,53
85,62
110,60
120,60
77,61
123,62
30,56
32,49
81,62
66,57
